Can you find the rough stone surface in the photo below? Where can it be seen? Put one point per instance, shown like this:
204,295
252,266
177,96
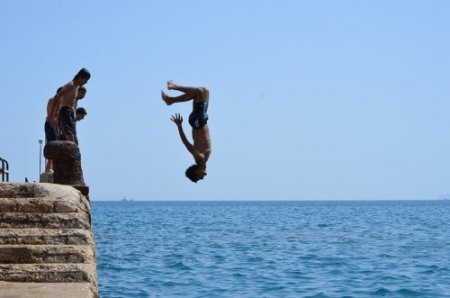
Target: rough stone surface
30,254
44,220
46,273
46,244
46,290
35,236
66,158
37,205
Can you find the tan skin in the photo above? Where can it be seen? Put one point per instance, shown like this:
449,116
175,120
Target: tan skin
65,96
78,117
201,147
50,106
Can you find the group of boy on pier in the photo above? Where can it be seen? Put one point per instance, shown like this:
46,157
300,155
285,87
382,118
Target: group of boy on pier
63,112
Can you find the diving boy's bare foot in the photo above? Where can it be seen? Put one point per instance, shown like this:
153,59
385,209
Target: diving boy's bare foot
166,98
170,85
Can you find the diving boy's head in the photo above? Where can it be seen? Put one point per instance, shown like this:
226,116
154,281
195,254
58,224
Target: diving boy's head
195,173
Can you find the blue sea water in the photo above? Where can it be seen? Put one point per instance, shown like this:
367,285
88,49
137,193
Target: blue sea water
273,249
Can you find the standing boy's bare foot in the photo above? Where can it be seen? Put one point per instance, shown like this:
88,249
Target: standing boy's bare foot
166,98
170,85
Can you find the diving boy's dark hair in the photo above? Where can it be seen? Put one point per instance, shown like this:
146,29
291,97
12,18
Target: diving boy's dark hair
83,73
82,89
81,111
190,173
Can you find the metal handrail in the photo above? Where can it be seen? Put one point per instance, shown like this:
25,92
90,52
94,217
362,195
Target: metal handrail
4,170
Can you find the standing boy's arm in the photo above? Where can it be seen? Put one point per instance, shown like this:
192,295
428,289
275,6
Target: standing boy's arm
50,104
57,105
53,116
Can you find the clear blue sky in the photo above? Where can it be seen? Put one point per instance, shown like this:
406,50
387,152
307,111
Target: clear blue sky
309,99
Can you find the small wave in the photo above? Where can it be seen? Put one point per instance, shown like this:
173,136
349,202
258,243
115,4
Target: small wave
408,292
318,295
324,225
381,292
180,266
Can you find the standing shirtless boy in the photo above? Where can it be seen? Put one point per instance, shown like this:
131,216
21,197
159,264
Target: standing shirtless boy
50,130
65,104
201,149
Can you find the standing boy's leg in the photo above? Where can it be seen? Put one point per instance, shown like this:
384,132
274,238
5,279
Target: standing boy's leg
50,135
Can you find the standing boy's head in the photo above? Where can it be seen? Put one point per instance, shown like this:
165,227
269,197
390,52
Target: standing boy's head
82,77
80,114
81,93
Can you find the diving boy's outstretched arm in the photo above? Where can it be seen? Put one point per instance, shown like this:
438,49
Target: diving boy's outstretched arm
178,120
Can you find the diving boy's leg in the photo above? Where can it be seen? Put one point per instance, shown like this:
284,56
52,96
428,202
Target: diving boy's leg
174,99
172,86
190,93
166,98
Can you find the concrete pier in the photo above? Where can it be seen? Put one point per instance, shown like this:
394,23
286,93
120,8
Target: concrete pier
47,248
46,241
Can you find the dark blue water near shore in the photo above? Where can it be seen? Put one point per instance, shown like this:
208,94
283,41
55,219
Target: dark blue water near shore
273,249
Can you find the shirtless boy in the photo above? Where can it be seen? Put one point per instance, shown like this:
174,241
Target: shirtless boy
50,130
65,104
201,149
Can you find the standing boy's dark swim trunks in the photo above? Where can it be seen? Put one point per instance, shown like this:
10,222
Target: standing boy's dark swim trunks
198,118
67,121
50,132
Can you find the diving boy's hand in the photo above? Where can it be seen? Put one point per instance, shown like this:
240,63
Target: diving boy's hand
177,119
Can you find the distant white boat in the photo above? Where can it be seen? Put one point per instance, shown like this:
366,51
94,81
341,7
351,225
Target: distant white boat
444,197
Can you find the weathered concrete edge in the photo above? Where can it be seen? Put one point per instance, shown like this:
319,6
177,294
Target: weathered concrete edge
47,290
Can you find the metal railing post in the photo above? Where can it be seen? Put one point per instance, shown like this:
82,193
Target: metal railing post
4,170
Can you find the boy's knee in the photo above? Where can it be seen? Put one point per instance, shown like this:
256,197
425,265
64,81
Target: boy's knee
203,92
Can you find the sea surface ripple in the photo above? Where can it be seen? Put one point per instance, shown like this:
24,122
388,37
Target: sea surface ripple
273,249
